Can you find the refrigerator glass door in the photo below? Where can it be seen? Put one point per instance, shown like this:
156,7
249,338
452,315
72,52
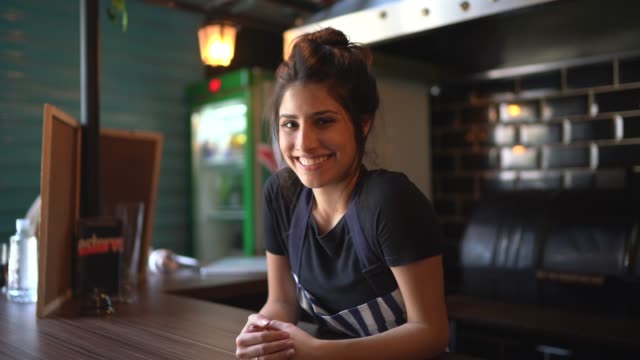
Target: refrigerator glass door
219,135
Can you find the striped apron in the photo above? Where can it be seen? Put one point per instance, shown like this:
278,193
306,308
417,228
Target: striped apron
375,316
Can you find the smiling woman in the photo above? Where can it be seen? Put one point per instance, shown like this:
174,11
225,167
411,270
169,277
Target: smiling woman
316,138
358,250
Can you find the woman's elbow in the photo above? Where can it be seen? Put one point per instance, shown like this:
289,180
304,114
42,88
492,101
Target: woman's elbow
434,339
443,339
440,337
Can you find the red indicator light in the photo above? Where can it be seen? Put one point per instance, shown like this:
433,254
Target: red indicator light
215,85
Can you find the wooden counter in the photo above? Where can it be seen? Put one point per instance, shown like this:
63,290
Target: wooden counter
160,325
575,327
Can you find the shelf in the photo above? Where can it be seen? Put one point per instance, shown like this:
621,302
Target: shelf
226,215
230,167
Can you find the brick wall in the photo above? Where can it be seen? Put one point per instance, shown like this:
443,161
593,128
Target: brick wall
572,126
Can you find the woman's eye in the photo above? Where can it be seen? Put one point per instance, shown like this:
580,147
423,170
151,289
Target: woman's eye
288,124
325,121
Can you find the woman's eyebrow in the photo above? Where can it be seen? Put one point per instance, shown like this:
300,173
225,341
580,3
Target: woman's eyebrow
324,112
313,114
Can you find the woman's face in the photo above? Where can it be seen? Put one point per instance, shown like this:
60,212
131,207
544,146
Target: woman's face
316,136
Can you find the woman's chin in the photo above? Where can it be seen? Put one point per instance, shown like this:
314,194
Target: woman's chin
311,182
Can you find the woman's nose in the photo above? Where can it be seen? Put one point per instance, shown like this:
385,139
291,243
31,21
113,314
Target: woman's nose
307,138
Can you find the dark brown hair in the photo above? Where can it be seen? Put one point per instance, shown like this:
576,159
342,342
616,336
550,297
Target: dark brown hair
327,57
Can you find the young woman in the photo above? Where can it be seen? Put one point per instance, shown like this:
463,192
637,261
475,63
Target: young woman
359,250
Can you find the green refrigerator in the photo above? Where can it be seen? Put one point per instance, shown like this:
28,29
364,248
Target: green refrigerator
231,157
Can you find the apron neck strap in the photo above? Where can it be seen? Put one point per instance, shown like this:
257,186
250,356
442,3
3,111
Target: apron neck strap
298,227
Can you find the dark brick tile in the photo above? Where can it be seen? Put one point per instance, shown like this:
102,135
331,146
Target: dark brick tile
580,180
592,130
488,160
437,184
451,264
535,134
565,156
442,118
451,267
610,179
537,180
618,100
479,115
503,181
565,106
629,70
634,183
477,135
489,88
468,206
631,127
625,155
453,138
590,75
436,140
519,111
450,93
542,81
443,162
502,135
451,250
458,184
445,207
519,157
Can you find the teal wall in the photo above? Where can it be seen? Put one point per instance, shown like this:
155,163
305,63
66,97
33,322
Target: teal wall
144,73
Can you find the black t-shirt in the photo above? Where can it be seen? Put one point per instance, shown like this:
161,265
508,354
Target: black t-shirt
395,216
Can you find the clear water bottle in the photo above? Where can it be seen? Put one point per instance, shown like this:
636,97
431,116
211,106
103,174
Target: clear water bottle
22,277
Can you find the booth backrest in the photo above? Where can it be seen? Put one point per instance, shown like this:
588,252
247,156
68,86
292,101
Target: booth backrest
501,246
576,249
590,233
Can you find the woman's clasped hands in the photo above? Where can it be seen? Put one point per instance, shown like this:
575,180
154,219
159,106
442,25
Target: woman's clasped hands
266,339
258,341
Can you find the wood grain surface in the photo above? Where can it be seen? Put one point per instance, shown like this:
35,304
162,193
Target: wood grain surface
159,326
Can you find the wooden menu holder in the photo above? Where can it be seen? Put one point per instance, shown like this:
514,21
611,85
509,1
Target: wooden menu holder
129,170
59,209
130,166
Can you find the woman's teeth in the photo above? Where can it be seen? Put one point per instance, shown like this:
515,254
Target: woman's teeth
312,161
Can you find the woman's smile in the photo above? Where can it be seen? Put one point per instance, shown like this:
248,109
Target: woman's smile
311,163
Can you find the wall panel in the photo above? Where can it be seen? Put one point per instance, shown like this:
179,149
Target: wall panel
144,72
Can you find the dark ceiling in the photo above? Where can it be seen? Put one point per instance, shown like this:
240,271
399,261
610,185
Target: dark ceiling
265,15
261,24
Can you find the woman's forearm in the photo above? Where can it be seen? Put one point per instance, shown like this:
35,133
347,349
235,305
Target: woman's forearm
280,310
408,341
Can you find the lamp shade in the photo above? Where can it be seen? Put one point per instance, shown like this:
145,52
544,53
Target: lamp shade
217,43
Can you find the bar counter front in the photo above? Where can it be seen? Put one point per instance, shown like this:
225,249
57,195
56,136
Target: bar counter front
160,325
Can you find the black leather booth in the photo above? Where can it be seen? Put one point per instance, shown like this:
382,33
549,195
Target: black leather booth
563,249
550,275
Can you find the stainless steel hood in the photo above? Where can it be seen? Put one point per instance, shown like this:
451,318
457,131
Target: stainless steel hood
489,34
371,22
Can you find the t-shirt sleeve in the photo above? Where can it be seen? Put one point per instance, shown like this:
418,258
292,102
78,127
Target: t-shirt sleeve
271,202
405,225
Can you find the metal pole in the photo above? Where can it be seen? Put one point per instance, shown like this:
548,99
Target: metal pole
90,196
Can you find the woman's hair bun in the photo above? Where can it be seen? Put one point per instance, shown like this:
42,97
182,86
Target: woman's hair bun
330,37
